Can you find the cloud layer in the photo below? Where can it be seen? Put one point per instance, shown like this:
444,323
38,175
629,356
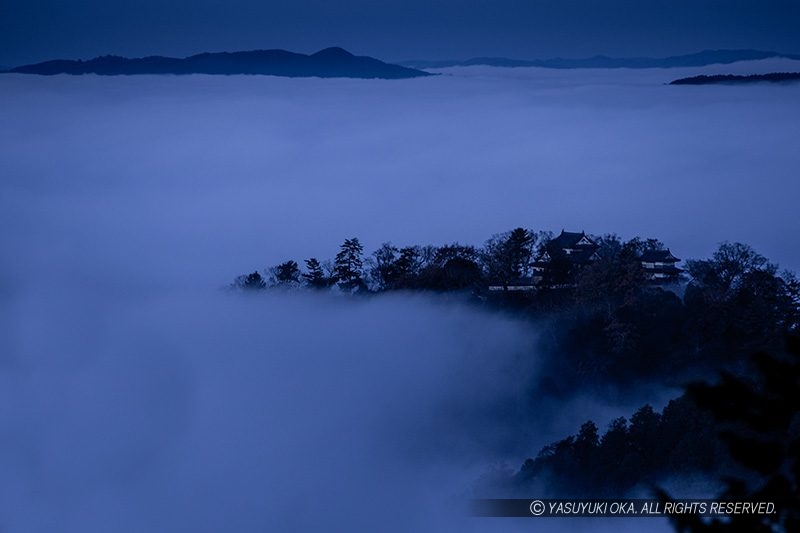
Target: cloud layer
193,180
136,396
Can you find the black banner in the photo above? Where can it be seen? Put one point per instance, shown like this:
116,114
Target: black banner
617,508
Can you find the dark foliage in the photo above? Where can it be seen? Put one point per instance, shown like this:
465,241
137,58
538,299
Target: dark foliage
508,257
348,265
315,277
774,77
630,454
759,420
736,303
250,282
287,272
452,267
604,321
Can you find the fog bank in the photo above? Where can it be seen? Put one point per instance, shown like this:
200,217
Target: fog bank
187,412
192,180
136,395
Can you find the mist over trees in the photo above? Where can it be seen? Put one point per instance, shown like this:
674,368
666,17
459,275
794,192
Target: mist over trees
631,455
606,313
222,410
614,314
250,282
743,429
609,316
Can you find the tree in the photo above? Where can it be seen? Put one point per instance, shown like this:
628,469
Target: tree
383,271
445,253
459,273
348,265
315,277
450,267
737,302
394,269
250,282
637,246
407,267
728,269
643,434
793,293
286,273
507,257
614,279
585,448
761,420
614,447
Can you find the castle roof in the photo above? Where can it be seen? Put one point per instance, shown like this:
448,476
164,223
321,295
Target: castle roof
571,239
658,256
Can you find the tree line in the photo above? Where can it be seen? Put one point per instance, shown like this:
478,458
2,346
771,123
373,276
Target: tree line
452,267
604,324
603,321
743,429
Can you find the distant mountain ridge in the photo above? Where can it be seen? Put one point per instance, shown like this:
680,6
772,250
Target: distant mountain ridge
328,63
773,77
698,59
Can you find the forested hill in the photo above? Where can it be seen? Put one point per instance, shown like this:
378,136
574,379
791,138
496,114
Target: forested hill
327,63
615,315
604,302
773,77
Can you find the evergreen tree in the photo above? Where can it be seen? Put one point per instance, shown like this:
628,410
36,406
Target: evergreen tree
518,250
348,264
315,277
286,273
508,256
407,267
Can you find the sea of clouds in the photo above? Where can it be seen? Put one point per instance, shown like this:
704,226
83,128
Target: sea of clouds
137,394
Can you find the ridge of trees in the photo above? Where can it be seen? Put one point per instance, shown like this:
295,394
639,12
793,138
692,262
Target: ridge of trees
743,429
604,324
631,455
758,419
609,324
451,267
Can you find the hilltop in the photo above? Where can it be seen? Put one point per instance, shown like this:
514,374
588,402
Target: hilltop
773,77
328,63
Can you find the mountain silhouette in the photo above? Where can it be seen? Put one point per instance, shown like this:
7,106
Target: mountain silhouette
774,77
698,59
328,63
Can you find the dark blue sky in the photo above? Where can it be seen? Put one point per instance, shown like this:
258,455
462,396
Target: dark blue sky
412,29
